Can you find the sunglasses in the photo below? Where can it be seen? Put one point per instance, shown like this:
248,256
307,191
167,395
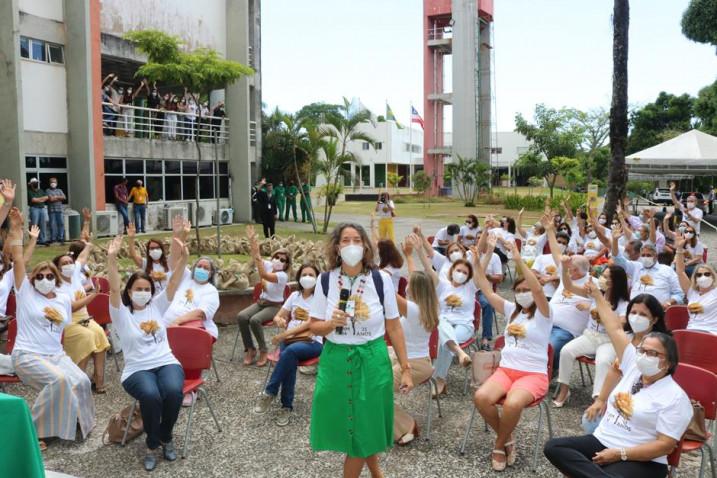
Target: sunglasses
49,276
703,274
281,259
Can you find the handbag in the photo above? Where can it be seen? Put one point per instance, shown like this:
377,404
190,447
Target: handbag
118,423
483,366
697,429
304,337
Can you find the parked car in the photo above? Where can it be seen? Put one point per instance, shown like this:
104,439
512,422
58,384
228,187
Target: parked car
661,196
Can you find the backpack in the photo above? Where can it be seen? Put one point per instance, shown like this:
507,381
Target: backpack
375,275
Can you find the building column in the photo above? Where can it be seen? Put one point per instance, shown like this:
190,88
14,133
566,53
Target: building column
11,120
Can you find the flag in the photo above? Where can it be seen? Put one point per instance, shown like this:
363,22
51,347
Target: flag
415,117
391,117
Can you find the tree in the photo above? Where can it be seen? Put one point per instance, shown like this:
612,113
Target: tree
469,175
550,169
617,176
393,180
595,125
422,184
200,72
343,129
706,109
668,112
699,22
317,113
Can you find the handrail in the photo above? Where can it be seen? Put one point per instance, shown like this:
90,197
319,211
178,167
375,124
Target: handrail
440,33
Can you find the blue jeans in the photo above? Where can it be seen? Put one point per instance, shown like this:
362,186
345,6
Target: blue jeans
139,210
57,226
487,314
159,392
122,210
37,218
558,338
284,374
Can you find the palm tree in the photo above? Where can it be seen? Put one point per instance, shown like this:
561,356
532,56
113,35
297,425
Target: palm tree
302,141
617,175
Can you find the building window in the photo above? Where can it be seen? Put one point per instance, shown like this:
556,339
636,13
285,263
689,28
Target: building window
415,148
43,51
498,150
45,167
406,147
365,146
378,146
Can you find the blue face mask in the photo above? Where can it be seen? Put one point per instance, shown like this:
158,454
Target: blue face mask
201,275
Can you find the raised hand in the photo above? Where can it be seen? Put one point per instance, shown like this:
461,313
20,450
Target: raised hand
680,241
86,214
114,247
407,248
417,230
592,290
15,218
414,240
492,241
34,231
7,189
673,187
565,260
131,230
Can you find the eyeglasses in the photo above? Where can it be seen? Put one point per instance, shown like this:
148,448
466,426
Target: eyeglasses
49,276
649,352
703,274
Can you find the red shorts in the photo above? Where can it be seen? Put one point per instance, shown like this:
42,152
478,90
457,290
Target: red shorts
510,379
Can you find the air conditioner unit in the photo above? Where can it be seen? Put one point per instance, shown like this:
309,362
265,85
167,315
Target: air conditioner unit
224,216
170,213
107,223
201,216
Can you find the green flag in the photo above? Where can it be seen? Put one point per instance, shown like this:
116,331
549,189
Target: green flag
390,116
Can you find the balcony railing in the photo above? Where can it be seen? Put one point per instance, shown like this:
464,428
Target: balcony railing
139,122
440,33
252,133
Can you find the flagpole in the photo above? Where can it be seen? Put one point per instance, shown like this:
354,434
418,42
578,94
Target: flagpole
410,145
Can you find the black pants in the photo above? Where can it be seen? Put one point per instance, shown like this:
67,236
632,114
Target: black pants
501,254
573,457
269,223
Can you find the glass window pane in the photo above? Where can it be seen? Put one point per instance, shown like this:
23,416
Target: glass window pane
223,168
155,188
171,167
189,187
56,54
24,47
173,191
110,182
53,162
38,50
189,167
30,162
206,187
224,186
154,167
205,167
113,166
134,166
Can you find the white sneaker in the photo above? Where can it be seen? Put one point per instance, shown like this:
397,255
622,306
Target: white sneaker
263,403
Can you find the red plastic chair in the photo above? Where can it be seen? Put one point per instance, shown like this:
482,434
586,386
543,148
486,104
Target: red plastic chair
99,310
430,239
586,361
676,317
704,255
11,307
700,385
102,284
540,403
11,335
697,348
546,248
402,284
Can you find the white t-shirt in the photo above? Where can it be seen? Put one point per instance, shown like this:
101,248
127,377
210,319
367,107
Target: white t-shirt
456,304
469,236
660,280
495,267
298,307
545,265
442,235
592,247
705,319
529,352
143,351
417,337
563,307
697,251
369,320
35,333
697,214
159,285
192,295
395,275
384,210
663,407
593,325
75,290
6,284
274,291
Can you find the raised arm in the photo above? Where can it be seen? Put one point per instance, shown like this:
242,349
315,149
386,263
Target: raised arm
180,264
568,284
133,254
549,225
423,242
7,190
14,237
685,283
568,211
415,242
180,230
84,256
541,302
85,234
113,272
669,234
673,195
519,224
482,282
610,320
256,256
31,243
374,232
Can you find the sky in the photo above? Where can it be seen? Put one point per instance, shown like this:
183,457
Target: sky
557,52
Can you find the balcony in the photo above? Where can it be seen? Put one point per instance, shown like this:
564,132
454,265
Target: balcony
445,98
445,148
440,38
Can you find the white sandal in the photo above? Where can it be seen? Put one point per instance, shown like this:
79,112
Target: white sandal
498,465
510,455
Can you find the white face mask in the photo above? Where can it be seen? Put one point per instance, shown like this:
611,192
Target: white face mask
307,282
455,255
277,265
459,277
602,221
155,254
352,254
703,282
602,283
647,262
53,185
67,270
682,229
639,323
592,234
140,298
45,286
524,299
690,205
648,366
689,235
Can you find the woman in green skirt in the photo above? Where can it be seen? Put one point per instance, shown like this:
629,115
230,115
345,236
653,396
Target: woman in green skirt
352,410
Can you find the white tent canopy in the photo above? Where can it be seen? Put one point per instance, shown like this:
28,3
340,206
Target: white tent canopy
690,154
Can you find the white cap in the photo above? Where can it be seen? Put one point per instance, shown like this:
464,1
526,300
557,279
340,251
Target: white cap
33,180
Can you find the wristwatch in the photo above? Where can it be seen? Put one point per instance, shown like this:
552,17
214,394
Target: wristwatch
623,454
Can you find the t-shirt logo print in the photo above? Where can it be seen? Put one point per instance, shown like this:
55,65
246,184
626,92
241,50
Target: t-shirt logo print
695,308
150,327
189,296
454,301
517,331
53,316
624,404
301,314
646,280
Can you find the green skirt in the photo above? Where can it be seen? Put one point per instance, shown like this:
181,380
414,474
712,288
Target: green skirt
352,410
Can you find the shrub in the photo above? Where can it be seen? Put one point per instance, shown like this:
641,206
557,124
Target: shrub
537,202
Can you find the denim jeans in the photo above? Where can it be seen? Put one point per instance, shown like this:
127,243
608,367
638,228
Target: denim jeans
458,333
487,314
558,338
57,226
122,210
139,210
37,218
159,392
284,374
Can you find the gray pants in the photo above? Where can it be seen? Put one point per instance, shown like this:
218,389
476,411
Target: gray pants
250,320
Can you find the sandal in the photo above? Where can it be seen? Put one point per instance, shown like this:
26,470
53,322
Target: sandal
465,360
510,455
249,356
435,392
42,445
498,465
409,437
263,359
98,390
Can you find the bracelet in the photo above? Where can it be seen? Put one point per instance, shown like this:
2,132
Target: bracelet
623,454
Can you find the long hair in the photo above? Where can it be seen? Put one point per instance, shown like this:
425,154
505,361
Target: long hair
333,256
45,265
530,311
126,299
388,254
511,224
618,288
423,293
162,260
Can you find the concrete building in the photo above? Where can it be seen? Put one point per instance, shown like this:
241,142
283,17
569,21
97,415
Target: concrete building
56,54
457,82
509,145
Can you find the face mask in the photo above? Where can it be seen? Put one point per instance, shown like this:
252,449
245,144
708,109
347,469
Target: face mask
459,277
455,255
277,265
689,235
602,283
141,298
107,90
469,225
201,275
307,282
139,184
592,234
53,185
648,366
639,323
67,270
704,282
647,262
682,229
602,221
524,299
155,254
45,286
352,254
690,205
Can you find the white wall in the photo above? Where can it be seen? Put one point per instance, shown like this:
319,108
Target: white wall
513,144
44,97
51,9
200,23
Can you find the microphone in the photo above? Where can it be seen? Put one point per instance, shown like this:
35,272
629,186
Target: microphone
343,299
